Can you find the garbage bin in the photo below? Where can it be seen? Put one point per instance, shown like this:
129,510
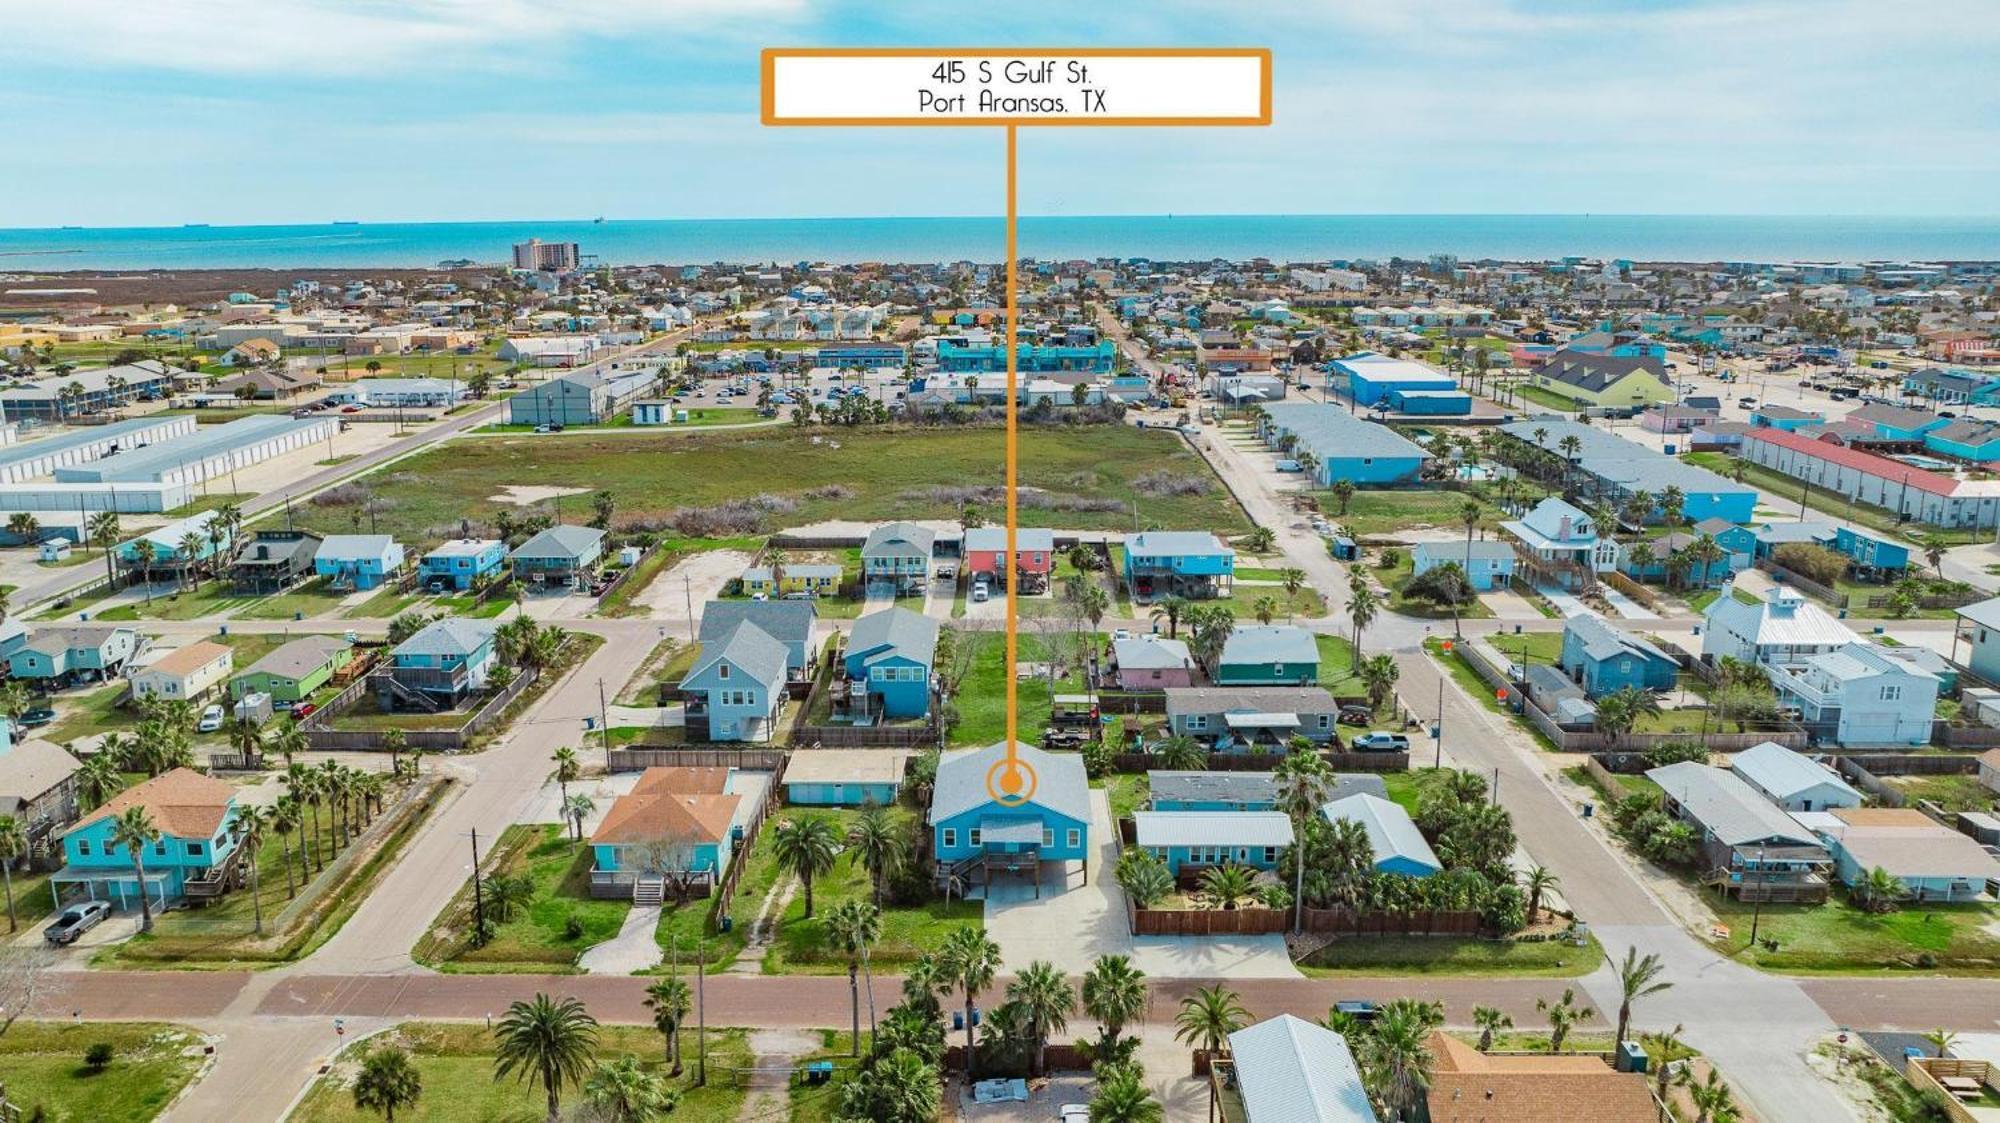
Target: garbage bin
1589,809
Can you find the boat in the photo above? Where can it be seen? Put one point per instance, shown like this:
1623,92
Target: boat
194,226
345,222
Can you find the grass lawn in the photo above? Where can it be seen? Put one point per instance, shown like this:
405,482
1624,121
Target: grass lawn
534,939
309,599
819,1103
213,599
799,946
84,715
1306,603
982,695
1838,939
221,935
1542,396
1125,791
892,473
1431,955
1538,647
1953,793
366,714
1374,513
1469,681
1336,663
385,604
455,1063
46,1076
213,500
1395,577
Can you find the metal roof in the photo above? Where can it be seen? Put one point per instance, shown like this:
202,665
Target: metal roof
1270,643
1728,807
1622,463
746,647
453,635
1331,433
1782,773
1060,782
1212,828
1151,653
1390,830
1289,1070
1157,543
1785,618
565,541
1602,641
919,538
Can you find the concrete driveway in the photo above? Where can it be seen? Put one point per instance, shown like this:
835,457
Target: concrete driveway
1076,921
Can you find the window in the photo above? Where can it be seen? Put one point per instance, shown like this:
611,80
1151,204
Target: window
972,837
1075,838
723,670
160,848
1197,721
83,848
1270,855
948,838
1277,668
196,849
1891,693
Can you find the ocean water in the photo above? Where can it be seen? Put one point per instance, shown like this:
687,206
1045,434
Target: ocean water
1165,237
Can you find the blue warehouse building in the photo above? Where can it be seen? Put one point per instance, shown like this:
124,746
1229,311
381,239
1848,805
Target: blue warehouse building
1371,377
1344,446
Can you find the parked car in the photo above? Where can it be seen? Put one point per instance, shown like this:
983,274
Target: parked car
40,715
1379,742
304,710
1359,1009
980,592
75,921
211,720
1073,1113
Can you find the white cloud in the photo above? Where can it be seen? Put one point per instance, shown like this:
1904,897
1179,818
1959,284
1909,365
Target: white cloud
351,37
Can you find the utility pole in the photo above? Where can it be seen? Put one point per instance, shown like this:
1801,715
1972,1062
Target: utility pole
604,719
478,894
687,591
1757,906
1437,732
700,1016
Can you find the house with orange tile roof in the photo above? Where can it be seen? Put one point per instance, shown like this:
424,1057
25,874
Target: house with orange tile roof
675,830
1468,1086
195,855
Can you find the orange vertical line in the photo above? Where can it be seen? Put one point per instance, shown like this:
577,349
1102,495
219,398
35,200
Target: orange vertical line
1013,444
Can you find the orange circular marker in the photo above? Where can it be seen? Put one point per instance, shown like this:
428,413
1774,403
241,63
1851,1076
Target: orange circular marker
1011,781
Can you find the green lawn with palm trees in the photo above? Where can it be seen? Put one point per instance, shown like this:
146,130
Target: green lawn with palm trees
455,1066
536,885
47,1074
1841,938
1450,955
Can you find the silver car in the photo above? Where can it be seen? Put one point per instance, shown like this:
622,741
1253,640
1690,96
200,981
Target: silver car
75,921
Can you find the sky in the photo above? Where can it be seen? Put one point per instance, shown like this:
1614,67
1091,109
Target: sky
253,111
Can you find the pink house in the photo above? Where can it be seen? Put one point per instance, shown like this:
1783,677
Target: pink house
986,549
1152,663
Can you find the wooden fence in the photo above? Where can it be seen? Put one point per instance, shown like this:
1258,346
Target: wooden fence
626,573
1948,736
866,736
322,739
739,857
638,760
1265,762
1259,921
1927,1076
1804,584
1056,1058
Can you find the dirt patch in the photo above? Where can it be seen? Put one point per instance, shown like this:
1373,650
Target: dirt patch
696,579
527,495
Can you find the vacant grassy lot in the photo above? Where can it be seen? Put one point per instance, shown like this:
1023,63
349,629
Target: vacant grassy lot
455,1063
1838,939
536,938
1431,955
47,1078
886,474
982,694
1375,513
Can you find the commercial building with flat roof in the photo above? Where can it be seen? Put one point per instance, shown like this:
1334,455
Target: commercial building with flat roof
212,451
33,459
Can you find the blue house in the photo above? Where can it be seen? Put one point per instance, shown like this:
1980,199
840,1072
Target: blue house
843,778
1560,543
1190,841
195,855
1785,418
1488,565
1770,536
437,667
1399,846
172,548
61,656
891,651
1966,439
790,622
736,688
1341,445
358,561
678,823
1186,563
1871,554
1898,423
462,562
1431,403
561,555
967,822
1605,659
1740,541
1268,655
1662,550
897,557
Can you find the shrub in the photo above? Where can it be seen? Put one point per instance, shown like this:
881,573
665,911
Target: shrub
1676,752
1813,561
573,927
1161,484
98,1056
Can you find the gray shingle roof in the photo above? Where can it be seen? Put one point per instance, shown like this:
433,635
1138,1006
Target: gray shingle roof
355,545
1262,699
787,621
565,541
453,635
901,631
1728,807
1247,787
1270,643
1595,372
1061,785
1601,641
747,647
885,539
297,658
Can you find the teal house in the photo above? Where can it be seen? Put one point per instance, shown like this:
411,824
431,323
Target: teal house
358,561
195,855
560,555
437,667
1191,841
970,829
1268,655
897,558
461,563
1184,563
61,656
1605,659
1398,845
843,777
168,550
677,825
890,653
1967,439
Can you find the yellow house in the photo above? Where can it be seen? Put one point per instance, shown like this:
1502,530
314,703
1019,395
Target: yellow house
13,337
1604,380
819,580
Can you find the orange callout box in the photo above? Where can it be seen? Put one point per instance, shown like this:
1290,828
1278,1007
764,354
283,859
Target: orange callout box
1017,86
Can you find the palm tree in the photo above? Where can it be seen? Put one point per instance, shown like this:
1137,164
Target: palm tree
968,960
1122,1098
1293,578
133,829
1304,784
1396,1056
1225,887
1043,993
387,1081
1637,978
1878,891
1362,605
1207,1018
247,738
1563,1015
849,927
575,810
1182,753
1539,880
806,847
877,846
1490,1021
670,1001
625,1091
303,785
1469,513
1664,1046
1171,609
568,768
99,779
251,823
290,740
547,1041
1114,992
1265,609
283,822
105,532
1941,1041
1713,1102
1619,711
1378,676
1343,494
13,844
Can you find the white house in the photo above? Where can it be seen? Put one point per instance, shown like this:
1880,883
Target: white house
1857,696
1793,780
188,673
1782,629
